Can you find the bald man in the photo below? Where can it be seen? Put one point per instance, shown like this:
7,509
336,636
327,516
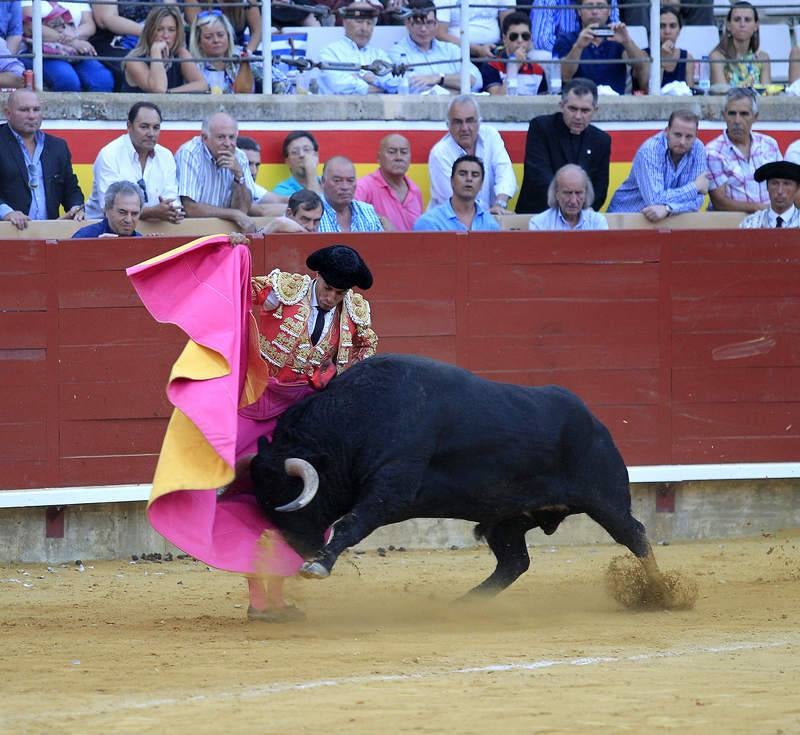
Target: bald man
342,212
394,196
214,178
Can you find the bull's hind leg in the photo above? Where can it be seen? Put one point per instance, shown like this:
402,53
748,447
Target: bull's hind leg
506,539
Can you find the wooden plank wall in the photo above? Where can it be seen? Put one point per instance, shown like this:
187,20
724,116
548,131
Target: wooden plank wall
686,344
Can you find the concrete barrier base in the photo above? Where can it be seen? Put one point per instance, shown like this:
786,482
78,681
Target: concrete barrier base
670,511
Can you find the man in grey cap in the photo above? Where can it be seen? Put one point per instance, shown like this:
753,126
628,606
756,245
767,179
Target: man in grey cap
783,182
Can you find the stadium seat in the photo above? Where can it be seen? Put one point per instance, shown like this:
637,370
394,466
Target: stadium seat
777,42
639,36
699,41
790,8
721,8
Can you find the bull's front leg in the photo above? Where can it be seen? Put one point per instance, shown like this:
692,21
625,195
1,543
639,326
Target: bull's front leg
347,531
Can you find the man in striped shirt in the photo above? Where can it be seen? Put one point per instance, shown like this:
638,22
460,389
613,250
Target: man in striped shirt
214,178
342,212
669,174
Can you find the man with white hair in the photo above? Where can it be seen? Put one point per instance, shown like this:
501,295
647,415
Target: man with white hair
360,17
569,196
214,178
122,207
469,136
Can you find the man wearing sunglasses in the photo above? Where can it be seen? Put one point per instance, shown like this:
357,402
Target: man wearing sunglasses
36,176
136,156
516,49
433,62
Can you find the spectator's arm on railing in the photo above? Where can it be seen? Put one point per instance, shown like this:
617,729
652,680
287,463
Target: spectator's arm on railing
108,18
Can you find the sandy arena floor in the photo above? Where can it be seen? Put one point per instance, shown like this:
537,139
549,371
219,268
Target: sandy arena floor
163,648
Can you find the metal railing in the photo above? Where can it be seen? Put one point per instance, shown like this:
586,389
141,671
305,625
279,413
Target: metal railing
464,6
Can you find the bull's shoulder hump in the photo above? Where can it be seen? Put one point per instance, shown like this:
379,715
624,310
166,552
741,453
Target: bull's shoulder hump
290,288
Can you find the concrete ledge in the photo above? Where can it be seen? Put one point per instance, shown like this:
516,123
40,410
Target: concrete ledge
681,511
327,108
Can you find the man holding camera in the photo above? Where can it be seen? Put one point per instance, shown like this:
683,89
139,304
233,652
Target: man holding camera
599,41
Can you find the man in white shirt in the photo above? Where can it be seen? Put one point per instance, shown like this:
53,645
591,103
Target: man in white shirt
569,196
421,46
360,18
136,156
783,183
468,136
483,23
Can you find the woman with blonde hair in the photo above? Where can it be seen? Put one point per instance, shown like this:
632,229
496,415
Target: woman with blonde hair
211,39
171,71
739,61
243,15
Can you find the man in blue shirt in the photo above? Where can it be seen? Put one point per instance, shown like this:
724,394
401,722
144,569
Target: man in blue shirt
669,174
342,213
598,41
123,205
461,212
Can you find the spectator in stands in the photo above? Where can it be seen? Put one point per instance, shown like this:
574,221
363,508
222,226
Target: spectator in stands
119,25
36,176
468,135
794,64
677,64
388,189
517,46
214,178
121,211
783,183
669,173
484,25
298,13
211,38
462,211
421,46
740,61
301,155
569,195
65,30
136,156
565,137
243,15
342,212
11,69
734,156
548,23
598,41
360,17
695,13
162,38
265,203
303,214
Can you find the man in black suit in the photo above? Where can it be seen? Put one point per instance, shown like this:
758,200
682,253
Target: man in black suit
36,175
565,137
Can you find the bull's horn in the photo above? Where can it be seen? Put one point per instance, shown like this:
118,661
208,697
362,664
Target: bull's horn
305,470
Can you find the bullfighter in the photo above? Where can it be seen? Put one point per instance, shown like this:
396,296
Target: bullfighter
240,371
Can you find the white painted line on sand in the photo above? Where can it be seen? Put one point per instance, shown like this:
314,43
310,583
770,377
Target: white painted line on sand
121,704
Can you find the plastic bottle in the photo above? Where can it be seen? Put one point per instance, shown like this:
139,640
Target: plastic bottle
512,73
704,76
555,77
403,87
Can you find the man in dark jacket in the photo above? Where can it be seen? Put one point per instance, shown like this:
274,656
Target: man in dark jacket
36,176
565,137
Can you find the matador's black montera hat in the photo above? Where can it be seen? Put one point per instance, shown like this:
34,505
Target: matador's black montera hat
341,267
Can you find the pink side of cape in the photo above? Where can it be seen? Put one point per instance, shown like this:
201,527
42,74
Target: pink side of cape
205,290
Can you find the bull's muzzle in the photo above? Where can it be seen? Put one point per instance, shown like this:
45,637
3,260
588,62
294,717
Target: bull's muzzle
296,467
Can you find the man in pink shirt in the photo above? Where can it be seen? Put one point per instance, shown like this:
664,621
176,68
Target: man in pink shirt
394,196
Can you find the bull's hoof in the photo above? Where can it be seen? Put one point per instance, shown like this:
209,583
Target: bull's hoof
314,570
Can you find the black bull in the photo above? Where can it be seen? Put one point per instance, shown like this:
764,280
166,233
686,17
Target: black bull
398,437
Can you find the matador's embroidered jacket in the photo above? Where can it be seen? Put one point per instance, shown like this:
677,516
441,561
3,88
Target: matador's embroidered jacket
284,340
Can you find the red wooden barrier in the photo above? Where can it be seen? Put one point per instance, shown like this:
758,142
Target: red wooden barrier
687,344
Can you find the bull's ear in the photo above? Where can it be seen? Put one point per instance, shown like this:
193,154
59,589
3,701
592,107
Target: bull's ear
263,445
